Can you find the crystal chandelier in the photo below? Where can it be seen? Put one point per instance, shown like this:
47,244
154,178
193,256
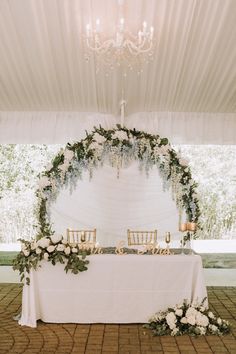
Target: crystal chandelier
123,48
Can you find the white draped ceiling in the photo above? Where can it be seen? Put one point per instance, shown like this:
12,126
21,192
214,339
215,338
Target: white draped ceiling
44,77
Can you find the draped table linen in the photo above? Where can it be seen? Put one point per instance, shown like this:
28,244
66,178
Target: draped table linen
114,289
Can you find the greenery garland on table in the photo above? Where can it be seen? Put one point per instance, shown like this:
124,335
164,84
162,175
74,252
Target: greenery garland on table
119,146
193,319
54,249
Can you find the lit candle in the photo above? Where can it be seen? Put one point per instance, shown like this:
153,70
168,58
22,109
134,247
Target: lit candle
88,29
122,21
191,226
97,24
183,227
144,26
167,239
151,32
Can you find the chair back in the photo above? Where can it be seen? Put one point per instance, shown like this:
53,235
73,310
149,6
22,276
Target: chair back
136,238
81,236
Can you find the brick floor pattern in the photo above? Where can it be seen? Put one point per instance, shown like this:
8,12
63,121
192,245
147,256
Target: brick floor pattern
108,338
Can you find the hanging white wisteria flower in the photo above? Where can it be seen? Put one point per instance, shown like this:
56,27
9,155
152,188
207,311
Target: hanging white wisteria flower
118,146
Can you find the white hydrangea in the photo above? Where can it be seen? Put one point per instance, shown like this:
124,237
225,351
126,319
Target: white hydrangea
64,241
56,238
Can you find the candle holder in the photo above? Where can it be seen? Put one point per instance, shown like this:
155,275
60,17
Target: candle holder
191,227
183,229
167,240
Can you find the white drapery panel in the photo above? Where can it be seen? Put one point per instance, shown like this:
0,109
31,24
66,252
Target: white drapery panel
42,65
61,127
113,205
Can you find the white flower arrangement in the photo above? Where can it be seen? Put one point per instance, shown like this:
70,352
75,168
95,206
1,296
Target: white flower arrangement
54,249
118,146
193,319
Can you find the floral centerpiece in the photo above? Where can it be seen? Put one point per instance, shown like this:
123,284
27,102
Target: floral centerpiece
186,318
54,249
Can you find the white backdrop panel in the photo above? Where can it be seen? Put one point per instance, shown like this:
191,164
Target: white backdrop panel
113,205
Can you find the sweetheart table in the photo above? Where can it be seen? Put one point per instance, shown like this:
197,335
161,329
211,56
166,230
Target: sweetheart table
114,289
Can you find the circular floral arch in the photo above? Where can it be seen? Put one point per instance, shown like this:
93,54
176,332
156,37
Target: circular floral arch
119,146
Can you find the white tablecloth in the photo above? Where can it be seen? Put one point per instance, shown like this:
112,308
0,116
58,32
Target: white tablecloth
114,289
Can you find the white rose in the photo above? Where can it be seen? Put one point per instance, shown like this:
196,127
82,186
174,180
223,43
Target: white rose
184,320
191,312
67,250
121,135
171,320
179,312
43,242
33,245
211,315
26,253
202,320
60,247
45,256
183,162
219,321
50,249
191,320
56,238
74,250
99,138
38,250
44,182
64,241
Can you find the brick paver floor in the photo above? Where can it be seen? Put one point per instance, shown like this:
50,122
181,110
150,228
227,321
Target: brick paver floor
99,338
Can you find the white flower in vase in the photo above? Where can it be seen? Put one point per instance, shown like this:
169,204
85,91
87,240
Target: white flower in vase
56,238
99,138
64,241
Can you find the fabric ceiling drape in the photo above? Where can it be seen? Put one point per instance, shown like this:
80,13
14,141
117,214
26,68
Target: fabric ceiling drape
61,127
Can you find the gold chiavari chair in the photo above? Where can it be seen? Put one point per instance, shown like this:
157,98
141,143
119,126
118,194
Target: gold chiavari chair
137,238
80,236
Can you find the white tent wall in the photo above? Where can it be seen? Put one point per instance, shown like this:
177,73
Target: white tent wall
61,127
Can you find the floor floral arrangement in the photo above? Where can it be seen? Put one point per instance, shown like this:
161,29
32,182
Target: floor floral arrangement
192,319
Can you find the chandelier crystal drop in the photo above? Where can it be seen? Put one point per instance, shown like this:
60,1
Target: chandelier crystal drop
124,48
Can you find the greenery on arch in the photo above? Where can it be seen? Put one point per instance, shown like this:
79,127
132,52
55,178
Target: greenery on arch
119,146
